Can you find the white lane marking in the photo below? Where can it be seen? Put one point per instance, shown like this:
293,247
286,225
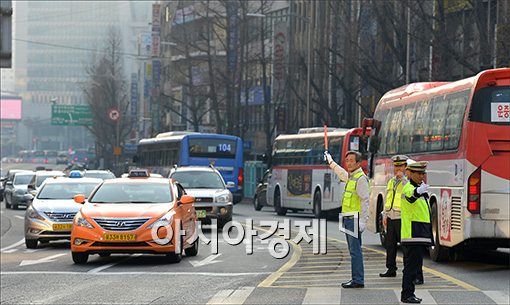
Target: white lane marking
206,261
229,296
19,217
423,294
213,274
10,251
13,245
322,295
499,297
98,269
41,261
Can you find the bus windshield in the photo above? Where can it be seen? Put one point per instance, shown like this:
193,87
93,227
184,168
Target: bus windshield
212,148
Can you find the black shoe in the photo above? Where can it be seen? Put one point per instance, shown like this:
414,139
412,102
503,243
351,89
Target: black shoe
388,273
418,281
351,284
411,299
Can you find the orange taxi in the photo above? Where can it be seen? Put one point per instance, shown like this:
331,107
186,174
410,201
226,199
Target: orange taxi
137,214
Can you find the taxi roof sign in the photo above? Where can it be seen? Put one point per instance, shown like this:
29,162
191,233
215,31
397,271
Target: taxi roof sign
75,174
138,173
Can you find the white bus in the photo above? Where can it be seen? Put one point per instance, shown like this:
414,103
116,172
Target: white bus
300,179
462,129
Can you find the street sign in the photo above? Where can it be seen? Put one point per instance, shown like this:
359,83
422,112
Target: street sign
113,114
71,115
117,150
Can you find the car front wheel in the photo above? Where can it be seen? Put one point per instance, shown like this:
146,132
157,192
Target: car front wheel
31,243
80,258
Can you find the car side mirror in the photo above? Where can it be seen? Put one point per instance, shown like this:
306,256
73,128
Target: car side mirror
187,199
28,197
80,198
231,184
9,183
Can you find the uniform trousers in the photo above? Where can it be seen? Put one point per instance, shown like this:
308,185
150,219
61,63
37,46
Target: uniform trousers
392,239
413,263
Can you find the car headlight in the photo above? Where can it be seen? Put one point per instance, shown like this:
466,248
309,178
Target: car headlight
225,198
32,213
80,221
163,221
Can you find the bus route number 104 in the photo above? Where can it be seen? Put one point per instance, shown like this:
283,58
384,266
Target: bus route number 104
224,148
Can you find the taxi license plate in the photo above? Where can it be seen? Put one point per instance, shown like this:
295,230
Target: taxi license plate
201,213
119,237
62,226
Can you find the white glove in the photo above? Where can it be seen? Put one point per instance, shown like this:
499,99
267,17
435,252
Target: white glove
422,188
362,226
328,157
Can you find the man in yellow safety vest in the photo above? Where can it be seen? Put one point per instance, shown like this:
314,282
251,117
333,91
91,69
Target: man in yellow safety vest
416,230
355,203
391,218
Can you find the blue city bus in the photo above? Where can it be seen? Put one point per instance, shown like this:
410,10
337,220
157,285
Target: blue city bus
166,150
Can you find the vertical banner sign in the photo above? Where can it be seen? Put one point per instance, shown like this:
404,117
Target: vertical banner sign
156,28
134,99
156,71
445,220
232,34
279,55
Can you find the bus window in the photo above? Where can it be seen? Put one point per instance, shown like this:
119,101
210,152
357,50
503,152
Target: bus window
393,131
437,121
335,147
485,105
421,127
456,108
406,129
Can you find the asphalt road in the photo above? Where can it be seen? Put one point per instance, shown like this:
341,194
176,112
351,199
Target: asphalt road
47,275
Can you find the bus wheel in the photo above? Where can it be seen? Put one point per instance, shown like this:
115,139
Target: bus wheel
317,211
278,204
437,253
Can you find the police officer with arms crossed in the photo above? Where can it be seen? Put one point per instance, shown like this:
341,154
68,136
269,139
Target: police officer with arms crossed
355,200
416,231
392,214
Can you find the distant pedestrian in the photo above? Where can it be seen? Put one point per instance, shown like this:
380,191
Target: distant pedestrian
355,200
416,231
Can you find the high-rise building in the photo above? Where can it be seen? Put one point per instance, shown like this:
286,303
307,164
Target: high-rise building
55,42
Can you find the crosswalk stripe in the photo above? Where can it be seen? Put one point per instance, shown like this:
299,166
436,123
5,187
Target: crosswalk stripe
230,296
499,297
323,295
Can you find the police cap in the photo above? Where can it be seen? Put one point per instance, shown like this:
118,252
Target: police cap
417,166
399,159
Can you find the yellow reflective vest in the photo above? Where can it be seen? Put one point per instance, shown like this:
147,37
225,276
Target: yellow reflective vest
415,217
351,201
394,194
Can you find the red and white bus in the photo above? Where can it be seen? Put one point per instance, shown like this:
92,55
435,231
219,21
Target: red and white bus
300,179
462,129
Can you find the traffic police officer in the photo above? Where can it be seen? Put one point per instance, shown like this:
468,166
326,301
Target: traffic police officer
392,214
416,231
355,201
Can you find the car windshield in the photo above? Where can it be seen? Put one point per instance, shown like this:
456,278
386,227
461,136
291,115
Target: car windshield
103,176
40,179
65,190
132,193
199,179
22,179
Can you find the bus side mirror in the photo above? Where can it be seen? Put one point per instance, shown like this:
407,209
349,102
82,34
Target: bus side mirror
373,145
